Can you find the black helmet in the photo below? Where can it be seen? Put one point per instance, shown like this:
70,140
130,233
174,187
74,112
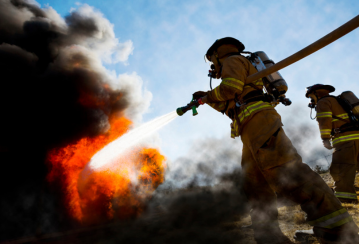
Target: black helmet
311,89
222,41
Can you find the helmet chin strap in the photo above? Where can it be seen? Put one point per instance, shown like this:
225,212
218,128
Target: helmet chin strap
217,58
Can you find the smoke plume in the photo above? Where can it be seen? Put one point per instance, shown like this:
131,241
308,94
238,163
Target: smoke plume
304,134
55,91
205,164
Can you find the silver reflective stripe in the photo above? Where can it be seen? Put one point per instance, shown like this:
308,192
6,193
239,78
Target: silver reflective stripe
332,221
346,195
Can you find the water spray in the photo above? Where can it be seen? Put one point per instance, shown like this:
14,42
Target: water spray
108,156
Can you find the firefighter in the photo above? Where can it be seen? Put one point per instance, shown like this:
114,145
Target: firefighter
336,127
270,162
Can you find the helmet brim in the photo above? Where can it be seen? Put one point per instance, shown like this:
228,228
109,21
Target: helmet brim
319,87
225,40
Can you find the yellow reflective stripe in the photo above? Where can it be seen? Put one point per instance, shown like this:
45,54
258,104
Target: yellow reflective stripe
264,106
329,216
332,220
324,115
247,111
325,132
325,112
347,195
222,105
343,116
233,133
234,130
340,222
237,84
346,138
258,82
217,93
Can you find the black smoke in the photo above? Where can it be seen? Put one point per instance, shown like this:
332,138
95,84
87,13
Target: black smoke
54,91
204,164
197,215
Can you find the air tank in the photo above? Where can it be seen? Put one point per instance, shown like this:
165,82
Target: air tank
274,83
351,99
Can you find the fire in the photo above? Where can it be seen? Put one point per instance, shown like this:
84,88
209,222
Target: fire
102,195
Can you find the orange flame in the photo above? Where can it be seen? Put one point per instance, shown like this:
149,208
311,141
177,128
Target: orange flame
106,194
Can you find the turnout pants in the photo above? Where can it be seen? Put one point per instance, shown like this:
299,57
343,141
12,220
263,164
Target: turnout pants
345,163
276,167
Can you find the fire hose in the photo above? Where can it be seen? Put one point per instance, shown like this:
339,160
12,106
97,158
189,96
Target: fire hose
315,46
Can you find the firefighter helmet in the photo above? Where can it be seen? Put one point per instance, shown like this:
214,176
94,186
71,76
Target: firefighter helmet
223,41
311,89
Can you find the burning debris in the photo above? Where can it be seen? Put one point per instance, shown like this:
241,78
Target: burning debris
97,196
61,106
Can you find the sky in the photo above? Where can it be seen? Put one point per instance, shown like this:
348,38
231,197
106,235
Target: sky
168,41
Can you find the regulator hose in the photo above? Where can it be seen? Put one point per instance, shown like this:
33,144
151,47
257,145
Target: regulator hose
311,109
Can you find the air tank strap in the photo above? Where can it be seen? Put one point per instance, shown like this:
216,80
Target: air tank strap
232,54
225,108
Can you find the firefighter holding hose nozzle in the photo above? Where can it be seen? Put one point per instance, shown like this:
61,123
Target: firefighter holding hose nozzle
337,117
270,163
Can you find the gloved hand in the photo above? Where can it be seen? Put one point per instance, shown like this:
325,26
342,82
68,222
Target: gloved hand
327,144
199,94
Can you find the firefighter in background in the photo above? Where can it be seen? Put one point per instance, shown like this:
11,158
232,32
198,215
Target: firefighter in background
270,162
335,125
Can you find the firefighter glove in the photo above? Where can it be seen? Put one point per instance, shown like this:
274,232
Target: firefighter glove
327,144
199,94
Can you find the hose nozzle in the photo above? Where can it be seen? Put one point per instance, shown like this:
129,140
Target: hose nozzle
192,105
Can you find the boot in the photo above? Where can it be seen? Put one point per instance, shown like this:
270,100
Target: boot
247,226
270,234
273,239
344,234
306,236
344,200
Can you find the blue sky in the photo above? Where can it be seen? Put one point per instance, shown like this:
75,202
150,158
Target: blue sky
170,39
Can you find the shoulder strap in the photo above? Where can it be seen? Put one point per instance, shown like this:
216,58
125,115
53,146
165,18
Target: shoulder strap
235,53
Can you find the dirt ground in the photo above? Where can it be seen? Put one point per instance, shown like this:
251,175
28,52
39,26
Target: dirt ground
293,218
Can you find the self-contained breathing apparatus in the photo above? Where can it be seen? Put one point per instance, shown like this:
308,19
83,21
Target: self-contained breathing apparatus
274,85
350,103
